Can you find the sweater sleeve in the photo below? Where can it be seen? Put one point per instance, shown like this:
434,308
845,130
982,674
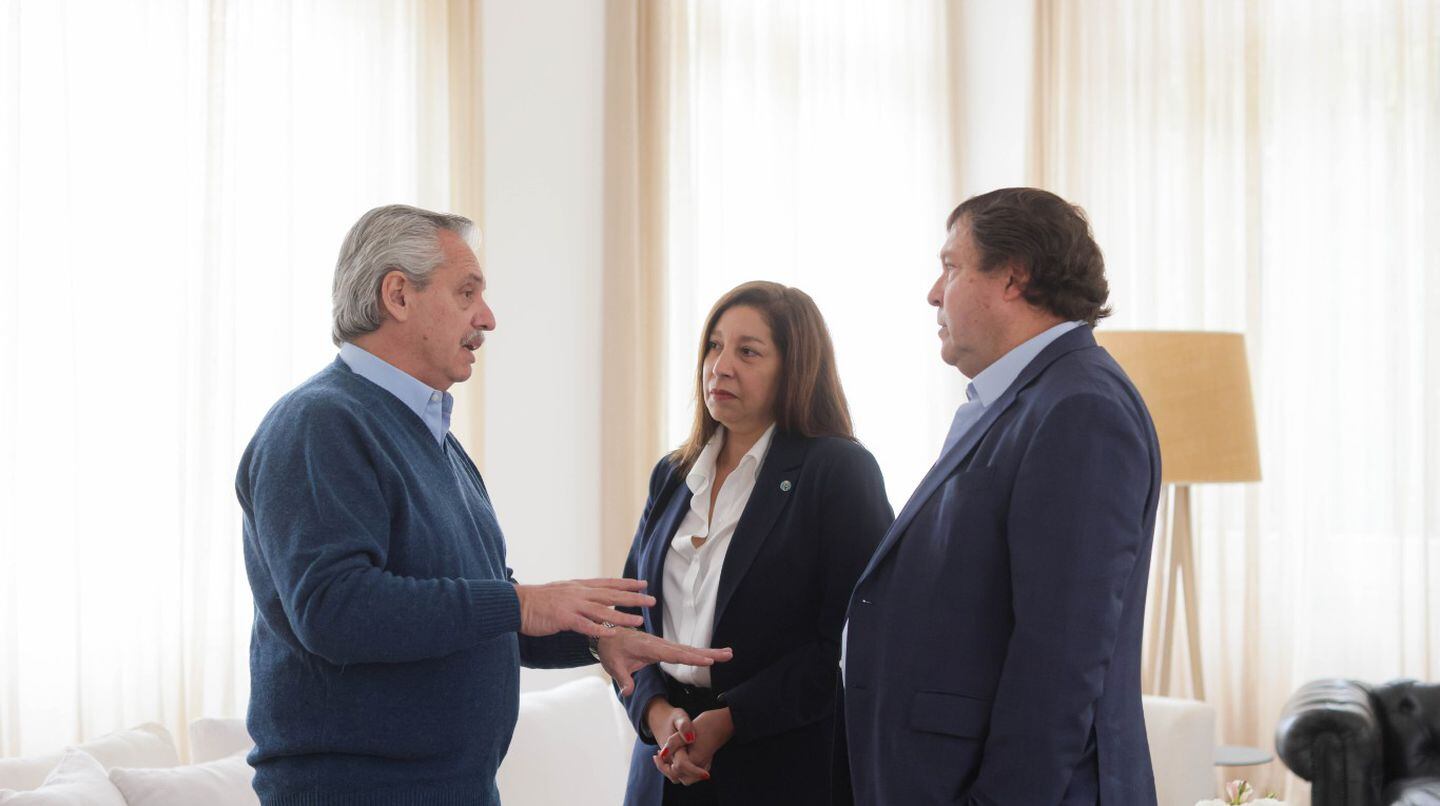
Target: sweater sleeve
319,520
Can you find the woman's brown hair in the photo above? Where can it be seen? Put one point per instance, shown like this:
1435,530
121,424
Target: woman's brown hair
810,402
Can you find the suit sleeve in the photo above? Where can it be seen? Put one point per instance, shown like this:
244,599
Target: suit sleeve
321,529
799,688
1075,532
649,683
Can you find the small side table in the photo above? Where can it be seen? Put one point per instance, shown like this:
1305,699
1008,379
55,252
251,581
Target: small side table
1235,755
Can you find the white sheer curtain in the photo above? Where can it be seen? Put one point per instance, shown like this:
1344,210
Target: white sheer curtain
809,145
1274,168
175,178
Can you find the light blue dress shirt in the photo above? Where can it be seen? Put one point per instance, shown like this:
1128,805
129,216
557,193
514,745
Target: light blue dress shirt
430,405
994,380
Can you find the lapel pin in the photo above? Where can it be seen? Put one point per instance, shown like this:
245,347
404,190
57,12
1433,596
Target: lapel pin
785,486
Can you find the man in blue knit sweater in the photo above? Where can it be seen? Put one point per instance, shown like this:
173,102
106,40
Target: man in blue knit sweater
388,630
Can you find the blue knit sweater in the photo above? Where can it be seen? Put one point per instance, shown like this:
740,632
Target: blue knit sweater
385,657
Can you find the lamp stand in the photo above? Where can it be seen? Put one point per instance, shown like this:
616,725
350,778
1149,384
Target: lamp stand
1175,560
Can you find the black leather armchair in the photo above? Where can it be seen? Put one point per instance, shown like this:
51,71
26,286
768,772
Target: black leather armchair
1362,745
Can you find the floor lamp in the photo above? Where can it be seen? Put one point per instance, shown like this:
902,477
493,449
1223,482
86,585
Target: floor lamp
1197,387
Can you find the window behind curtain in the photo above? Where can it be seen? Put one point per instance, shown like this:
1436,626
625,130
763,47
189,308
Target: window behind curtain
810,146
175,180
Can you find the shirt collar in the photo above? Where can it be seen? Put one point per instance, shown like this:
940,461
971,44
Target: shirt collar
989,384
432,406
700,475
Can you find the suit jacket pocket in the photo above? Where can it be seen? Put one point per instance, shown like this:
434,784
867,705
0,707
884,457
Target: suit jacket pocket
950,714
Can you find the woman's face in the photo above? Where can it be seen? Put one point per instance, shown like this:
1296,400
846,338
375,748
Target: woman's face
741,371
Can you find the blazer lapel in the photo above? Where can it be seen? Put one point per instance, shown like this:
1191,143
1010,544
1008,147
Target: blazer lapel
664,532
1076,339
768,497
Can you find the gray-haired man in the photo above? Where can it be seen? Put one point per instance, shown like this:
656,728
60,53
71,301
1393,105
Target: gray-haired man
388,630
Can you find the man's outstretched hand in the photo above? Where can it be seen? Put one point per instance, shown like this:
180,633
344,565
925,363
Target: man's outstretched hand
581,605
627,651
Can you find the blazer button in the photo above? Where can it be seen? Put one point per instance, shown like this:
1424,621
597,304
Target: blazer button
785,486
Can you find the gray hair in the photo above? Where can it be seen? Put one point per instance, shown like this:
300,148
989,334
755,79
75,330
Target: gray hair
395,237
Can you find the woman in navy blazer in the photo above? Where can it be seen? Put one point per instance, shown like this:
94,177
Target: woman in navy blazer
773,476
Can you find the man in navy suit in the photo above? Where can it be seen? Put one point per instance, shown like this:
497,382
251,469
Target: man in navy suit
992,650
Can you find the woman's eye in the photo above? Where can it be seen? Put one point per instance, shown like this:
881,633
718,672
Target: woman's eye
747,351
711,346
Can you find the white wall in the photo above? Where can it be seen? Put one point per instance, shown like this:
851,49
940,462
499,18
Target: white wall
544,74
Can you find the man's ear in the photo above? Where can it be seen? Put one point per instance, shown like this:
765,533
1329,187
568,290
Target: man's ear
1016,280
395,296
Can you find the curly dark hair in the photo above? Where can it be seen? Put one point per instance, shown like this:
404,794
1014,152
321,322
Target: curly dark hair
1050,238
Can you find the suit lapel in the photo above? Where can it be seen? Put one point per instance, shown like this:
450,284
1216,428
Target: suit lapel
945,467
664,532
768,497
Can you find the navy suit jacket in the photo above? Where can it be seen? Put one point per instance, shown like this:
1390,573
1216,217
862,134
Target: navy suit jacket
816,514
994,639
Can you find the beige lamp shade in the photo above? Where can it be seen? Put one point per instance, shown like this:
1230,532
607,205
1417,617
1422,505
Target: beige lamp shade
1197,387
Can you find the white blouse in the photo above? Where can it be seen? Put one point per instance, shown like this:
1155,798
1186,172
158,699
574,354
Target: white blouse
692,575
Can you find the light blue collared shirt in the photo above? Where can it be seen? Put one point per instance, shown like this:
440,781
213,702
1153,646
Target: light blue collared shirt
430,405
992,382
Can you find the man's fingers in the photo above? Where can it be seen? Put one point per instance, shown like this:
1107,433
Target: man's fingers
614,598
590,621
616,617
585,626
614,584
666,652
600,615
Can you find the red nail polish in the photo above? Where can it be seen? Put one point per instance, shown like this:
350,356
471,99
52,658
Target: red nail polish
664,751
707,776
690,737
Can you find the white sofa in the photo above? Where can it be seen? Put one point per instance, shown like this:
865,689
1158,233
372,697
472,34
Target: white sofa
1182,748
571,746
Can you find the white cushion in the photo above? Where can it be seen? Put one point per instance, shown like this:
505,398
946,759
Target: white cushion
212,739
77,780
1182,747
147,745
223,782
26,772
580,722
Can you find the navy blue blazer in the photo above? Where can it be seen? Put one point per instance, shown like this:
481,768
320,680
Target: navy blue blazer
784,586
994,639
